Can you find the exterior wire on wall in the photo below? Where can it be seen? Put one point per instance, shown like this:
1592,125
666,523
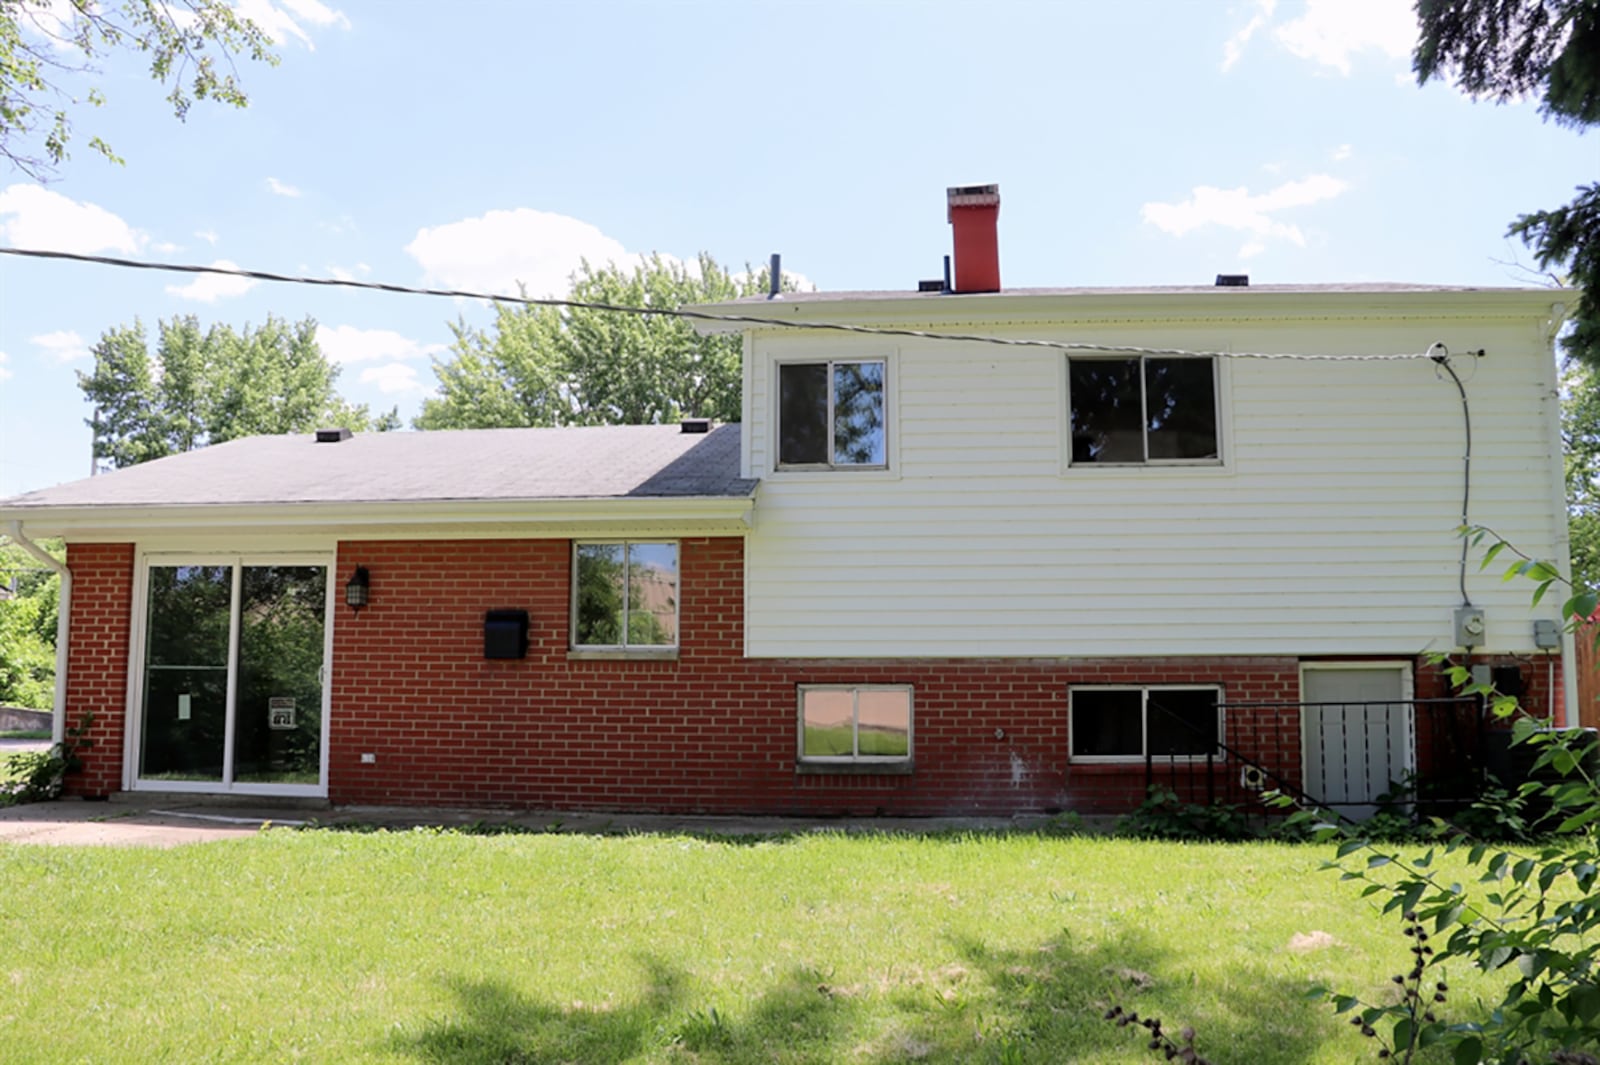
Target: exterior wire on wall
704,316
1441,357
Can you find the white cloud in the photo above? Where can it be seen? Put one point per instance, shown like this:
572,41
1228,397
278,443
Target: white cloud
394,377
1343,152
1331,32
339,273
1241,210
346,344
165,247
278,188
495,251
281,25
1234,48
32,216
209,288
4,373
63,345
207,235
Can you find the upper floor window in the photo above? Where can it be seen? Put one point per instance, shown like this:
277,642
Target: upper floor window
625,596
1143,410
831,414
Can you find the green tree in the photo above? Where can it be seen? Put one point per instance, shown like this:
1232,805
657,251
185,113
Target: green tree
1507,49
1580,437
546,366
27,628
46,46
209,387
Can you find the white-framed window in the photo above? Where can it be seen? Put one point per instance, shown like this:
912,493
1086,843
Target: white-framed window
1144,410
855,724
833,414
624,595
1122,724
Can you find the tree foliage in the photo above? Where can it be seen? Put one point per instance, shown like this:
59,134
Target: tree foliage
45,45
1508,49
27,629
209,386
1580,436
547,366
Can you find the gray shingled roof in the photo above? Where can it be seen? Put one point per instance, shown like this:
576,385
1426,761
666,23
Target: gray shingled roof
602,462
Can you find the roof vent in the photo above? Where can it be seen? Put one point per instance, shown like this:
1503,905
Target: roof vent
1233,280
695,425
332,436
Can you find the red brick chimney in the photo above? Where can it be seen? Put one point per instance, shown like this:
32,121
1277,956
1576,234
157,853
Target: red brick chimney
974,211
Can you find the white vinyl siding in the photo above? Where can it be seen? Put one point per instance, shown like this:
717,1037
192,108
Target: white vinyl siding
1328,528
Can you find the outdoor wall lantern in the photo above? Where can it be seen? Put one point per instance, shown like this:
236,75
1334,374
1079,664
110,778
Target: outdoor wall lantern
358,591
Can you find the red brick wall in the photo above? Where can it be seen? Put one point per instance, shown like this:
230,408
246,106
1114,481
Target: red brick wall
711,731
97,659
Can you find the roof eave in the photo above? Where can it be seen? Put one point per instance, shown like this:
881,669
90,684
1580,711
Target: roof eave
689,515
1198,304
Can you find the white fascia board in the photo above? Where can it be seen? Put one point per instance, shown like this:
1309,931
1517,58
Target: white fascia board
702,516
949,313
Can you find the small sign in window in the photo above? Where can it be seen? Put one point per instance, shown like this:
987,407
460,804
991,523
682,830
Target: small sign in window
280,712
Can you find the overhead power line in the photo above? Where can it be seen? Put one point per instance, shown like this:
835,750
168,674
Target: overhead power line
702,316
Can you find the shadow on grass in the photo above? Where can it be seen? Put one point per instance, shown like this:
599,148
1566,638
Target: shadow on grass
1050,1005
1007,1007
498,1025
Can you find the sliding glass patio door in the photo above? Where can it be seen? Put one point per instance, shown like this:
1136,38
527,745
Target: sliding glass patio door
232,695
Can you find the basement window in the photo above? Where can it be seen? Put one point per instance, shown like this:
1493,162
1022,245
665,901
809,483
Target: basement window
625,596
1143,411
831,415
857,725
1124,724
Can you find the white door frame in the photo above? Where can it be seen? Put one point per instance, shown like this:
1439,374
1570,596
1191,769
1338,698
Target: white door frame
1407,694
133,714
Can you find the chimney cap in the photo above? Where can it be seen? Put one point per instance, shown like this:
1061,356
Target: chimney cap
973,196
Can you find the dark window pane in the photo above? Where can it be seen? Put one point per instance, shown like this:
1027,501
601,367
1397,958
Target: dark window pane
1181,408
803,414
652,595
1183,721
1107,417
858,414
1106,723
600,588
277,733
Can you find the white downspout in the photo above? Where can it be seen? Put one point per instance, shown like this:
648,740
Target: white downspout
58,718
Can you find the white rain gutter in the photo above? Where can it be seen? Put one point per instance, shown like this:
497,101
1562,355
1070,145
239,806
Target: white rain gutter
58,718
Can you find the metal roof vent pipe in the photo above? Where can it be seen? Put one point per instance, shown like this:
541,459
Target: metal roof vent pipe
694,426
974,211
333,436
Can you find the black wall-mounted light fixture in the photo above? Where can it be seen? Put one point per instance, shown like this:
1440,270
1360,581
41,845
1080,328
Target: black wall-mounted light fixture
359,590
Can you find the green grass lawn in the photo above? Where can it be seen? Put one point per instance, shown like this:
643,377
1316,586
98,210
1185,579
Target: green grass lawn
428,947
25,734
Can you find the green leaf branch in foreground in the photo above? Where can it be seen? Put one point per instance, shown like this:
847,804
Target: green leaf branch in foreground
49,50
1533,913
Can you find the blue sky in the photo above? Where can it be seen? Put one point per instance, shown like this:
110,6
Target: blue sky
483,142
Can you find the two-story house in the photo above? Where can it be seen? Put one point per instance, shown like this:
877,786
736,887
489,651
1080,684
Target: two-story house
971,549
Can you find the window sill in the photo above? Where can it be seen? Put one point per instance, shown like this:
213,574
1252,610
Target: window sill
1160,761
853,769
665,654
